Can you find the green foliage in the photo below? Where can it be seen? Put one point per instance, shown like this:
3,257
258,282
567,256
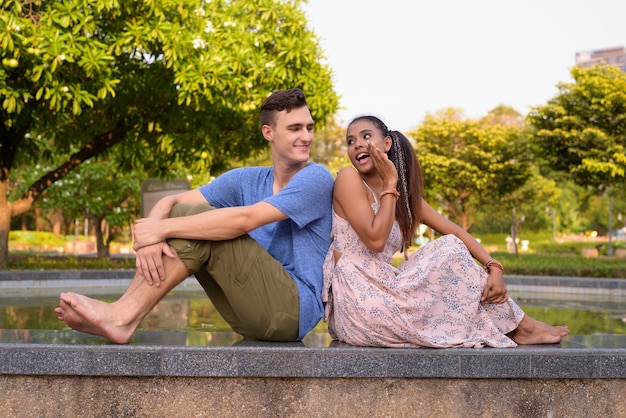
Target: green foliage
182,77
582,130
39,238
465,161
170,83
330,147
40,262
562,265
99,191
547,257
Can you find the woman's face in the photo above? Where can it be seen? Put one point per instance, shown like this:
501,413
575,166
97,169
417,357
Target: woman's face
359,134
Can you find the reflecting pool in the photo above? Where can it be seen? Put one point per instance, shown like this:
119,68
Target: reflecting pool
187,317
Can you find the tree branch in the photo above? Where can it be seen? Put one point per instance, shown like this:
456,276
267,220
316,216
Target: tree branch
98,145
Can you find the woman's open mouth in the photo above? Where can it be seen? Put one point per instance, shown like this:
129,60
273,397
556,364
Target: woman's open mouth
362,156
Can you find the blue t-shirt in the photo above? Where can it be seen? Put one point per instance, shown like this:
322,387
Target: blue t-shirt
300,242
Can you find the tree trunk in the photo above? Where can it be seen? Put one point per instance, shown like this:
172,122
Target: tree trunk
610,249
514,230
9,210
5,224
57,221
102,247
40,224
5,227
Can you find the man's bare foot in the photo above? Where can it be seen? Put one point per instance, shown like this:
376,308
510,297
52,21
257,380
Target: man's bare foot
95,317
531,331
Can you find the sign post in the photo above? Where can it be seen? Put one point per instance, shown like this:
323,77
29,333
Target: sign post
152,190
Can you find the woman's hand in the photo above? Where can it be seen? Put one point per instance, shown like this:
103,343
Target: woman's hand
495,289
383,165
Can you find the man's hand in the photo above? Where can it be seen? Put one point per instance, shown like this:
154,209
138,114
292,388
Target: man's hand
495,289
147,231
149,262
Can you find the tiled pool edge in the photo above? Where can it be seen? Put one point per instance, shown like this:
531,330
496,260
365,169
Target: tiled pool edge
587,285
70,279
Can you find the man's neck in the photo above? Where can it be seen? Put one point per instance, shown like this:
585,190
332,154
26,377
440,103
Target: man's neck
284,173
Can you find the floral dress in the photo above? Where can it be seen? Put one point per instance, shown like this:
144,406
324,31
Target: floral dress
432,299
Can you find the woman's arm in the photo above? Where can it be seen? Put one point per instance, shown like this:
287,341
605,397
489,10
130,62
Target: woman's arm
436,221
495,289
351,201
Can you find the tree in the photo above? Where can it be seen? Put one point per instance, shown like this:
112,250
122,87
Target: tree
533,200
469,163
164,81
582,130
98,192
330,147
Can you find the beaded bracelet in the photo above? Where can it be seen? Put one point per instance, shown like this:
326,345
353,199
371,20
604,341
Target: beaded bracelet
492,263
392,191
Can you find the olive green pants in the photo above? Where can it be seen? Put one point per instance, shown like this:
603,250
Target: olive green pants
248,287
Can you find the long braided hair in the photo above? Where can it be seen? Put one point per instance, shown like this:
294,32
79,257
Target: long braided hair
410,179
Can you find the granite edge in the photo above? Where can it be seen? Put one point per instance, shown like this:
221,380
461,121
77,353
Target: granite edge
332,362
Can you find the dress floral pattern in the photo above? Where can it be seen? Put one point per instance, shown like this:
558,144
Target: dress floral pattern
432,299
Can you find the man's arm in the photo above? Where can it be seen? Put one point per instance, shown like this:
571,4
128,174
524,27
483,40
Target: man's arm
149,258
162,209
217,225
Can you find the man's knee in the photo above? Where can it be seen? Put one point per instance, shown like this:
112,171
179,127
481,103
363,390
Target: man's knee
191,252
187,251
187,210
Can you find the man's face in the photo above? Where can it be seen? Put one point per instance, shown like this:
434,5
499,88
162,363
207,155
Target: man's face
292,136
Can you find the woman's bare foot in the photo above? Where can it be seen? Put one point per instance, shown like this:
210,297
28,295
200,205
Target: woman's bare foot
95,317
531,331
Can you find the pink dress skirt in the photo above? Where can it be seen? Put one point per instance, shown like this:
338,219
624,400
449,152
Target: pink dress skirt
432,299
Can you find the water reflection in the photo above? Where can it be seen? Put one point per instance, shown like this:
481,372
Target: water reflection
189,319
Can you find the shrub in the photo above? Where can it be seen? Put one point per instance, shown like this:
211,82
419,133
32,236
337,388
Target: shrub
35,238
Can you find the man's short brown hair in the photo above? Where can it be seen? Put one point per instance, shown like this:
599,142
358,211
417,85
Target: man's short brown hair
281,100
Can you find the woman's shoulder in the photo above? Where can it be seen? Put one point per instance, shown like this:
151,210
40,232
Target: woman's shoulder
349,183
348,173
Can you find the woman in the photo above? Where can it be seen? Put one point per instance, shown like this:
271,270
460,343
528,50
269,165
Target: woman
439,296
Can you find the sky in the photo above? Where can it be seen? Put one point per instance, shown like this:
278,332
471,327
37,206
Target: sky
404,59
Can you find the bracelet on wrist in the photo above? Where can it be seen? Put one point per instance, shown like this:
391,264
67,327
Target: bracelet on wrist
492,263
393,192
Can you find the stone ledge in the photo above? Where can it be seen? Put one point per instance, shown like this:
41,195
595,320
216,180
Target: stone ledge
295,360
165,354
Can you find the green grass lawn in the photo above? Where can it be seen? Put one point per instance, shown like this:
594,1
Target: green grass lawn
544,257
548,257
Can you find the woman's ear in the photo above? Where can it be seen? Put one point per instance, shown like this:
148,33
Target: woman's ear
387,143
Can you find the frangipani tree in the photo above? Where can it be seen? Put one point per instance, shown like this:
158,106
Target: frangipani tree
164,81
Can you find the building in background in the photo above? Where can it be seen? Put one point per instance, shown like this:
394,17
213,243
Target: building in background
615,56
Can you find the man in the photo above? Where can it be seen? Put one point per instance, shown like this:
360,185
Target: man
255,238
